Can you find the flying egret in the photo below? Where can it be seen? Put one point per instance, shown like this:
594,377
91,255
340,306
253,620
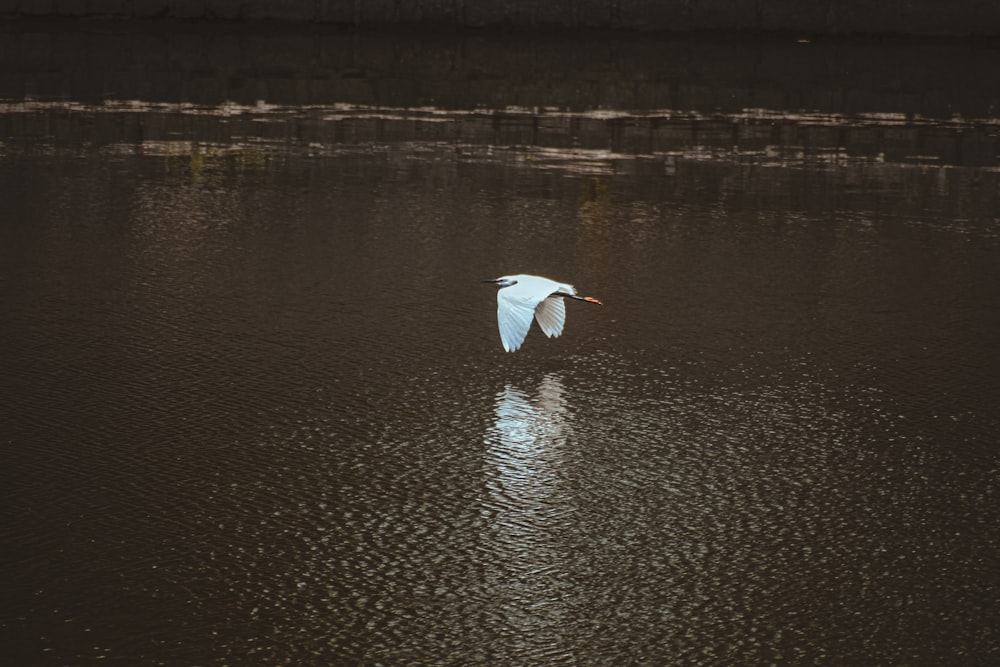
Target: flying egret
522,296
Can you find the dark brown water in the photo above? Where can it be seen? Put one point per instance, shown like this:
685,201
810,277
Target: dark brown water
254,407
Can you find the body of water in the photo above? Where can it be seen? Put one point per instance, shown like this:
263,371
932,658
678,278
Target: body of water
254,408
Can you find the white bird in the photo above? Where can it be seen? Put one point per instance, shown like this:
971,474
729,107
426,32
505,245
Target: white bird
522,296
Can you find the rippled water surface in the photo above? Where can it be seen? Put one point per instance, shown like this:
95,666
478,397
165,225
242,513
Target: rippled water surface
255,410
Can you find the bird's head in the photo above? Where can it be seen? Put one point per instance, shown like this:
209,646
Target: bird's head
504,281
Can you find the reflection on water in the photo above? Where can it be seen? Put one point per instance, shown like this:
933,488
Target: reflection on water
524,457
586,141
528,507
254,411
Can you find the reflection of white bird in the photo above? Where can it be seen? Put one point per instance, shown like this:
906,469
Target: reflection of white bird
522,296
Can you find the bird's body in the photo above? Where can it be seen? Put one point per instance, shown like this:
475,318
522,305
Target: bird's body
522,297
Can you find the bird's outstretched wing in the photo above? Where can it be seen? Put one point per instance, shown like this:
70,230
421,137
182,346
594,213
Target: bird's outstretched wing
514,313
551,315
515,308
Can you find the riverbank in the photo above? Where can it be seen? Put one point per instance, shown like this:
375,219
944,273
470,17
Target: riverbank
825,17
301,65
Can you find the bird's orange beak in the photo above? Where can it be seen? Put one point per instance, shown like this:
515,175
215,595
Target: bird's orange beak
592,300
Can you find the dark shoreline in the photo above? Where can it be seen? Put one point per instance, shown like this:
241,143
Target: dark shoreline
300,65
826,17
